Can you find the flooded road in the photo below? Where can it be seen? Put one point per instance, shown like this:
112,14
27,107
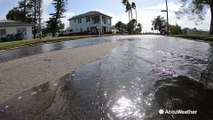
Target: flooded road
26,51
134,81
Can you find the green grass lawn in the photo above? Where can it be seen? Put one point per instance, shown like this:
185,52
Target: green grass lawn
13,44
196,37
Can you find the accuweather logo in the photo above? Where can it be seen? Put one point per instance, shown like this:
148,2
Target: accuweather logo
177,112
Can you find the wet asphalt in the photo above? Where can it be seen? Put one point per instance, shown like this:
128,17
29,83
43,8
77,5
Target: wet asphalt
132,82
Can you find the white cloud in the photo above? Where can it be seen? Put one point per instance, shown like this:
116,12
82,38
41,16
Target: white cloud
67,15
171,6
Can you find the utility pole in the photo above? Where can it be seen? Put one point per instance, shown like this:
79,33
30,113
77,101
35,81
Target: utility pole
167,17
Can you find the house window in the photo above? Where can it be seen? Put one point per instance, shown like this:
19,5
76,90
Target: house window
2,32
21,30
87,29
87,19
76,29
79,20
81,30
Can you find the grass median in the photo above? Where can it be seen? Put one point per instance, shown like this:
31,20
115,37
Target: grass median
14,44
196,37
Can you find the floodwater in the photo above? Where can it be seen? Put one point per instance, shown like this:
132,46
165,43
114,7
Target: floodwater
134,81
26,51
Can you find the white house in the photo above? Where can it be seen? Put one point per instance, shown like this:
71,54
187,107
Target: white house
91,22
14,27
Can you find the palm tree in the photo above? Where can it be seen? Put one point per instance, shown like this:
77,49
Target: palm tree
134,7
129,8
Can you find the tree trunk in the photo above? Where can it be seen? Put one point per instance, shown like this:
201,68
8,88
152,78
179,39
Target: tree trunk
34,19
136,15
129,22
211,25
131,14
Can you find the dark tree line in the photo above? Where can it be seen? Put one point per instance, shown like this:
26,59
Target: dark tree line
54,23
30,11
133,26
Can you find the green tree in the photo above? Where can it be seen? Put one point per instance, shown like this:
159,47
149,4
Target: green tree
26,6
55,19
61,25
128,7
121,27
21,12
184,30
196,10
131,26
134,7
138,28
15,14
37,17
158,23
175,29
29,11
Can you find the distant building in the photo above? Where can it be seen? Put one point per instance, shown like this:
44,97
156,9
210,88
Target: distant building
92,22
8,27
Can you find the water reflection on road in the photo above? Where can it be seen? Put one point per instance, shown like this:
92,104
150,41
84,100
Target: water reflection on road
133,82
48,47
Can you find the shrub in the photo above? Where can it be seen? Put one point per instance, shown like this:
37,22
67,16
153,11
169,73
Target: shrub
10,37
19,36
3,39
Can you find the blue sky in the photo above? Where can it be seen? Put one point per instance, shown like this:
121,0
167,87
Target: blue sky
147,10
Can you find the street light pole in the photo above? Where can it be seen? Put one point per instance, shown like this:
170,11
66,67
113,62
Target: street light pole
167,17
